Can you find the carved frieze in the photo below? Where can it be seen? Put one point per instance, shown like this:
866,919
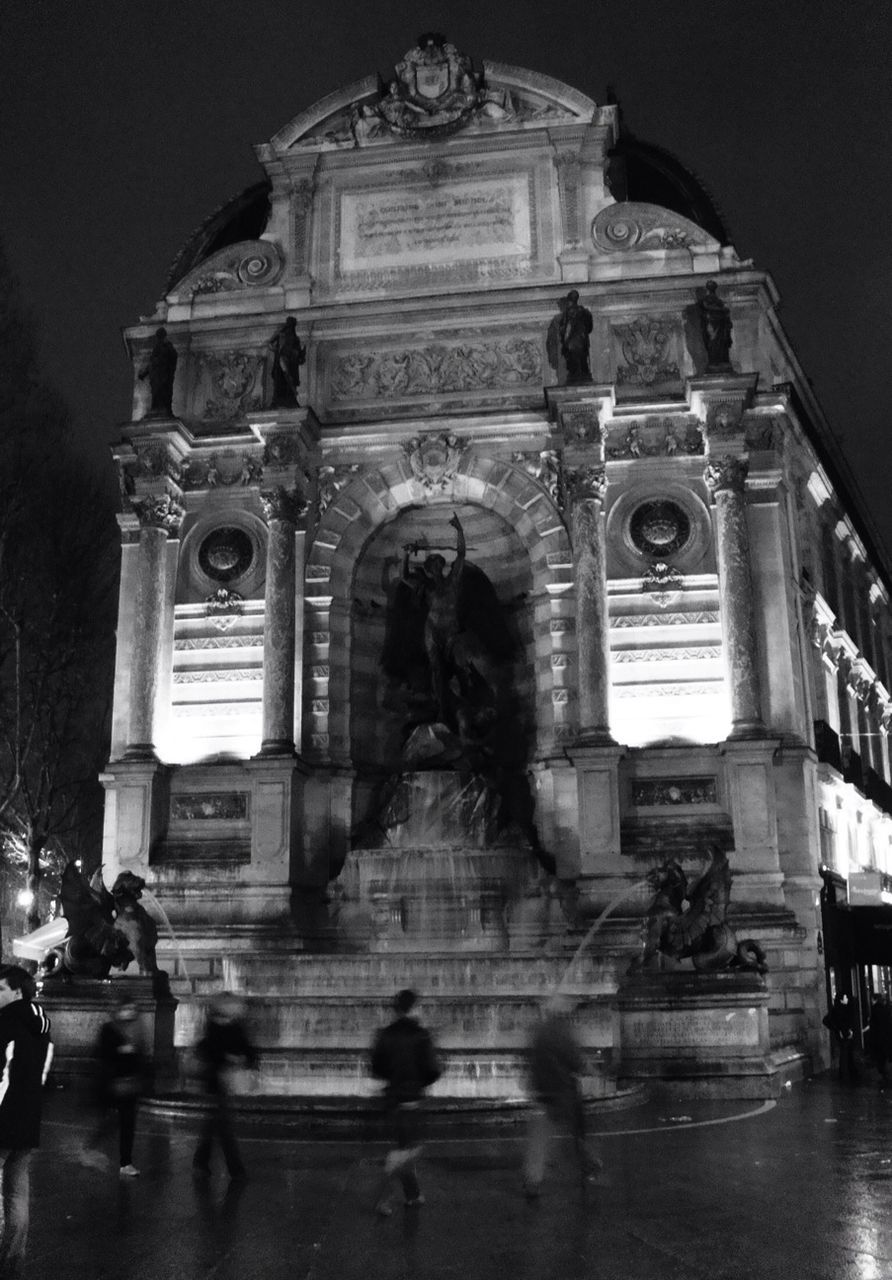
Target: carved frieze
653,438
211,806
631,621
235,379
662,582
226,468
437,369
652,792
648,347
434,460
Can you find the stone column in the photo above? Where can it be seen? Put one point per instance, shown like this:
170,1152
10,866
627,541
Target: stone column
158,516
587,487
726,479
282,508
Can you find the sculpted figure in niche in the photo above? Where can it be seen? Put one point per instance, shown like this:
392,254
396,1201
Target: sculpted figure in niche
715,324
160,372
289,353
575,328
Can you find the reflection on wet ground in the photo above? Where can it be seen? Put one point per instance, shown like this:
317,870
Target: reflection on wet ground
735,1191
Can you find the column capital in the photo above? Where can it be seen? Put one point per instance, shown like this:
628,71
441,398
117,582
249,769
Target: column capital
727,474
283,504
585,484
159,511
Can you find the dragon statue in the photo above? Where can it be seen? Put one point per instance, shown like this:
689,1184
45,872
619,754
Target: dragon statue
106,929
701,932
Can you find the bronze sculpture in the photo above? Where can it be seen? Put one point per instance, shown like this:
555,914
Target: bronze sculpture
160,372
715,325
289,353
575,328
701,932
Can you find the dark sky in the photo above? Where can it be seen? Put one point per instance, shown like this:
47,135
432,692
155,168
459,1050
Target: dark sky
124,124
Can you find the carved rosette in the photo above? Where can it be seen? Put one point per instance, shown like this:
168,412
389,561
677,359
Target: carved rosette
159,512
283,504
724,474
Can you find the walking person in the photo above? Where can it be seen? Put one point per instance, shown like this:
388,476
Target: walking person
123,1078
25,1053
880,1035
223,1049
555,1064
403,1056
841,1022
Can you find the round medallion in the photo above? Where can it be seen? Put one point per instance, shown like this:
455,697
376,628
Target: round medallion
659,528
226,554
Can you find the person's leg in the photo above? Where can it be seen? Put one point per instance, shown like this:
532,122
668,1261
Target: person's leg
226,1133
16,1167
126,1130
409,1142
535,1147
201,1161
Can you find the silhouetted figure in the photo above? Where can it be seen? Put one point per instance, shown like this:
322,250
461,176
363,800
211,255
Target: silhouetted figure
289,354
26,1053
160,372
715,324
403,1056
123,1077
880,1035
841,1021
555,1064
575,328
223,1048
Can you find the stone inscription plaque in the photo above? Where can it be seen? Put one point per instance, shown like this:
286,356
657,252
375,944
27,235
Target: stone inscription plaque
691,1029
452,223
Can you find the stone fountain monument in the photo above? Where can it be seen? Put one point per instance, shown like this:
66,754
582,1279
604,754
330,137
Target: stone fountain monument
437,624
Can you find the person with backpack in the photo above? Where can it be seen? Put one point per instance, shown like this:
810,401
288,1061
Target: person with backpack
403,1056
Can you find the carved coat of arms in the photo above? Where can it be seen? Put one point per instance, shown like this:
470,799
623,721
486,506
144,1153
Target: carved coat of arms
646,345
434,460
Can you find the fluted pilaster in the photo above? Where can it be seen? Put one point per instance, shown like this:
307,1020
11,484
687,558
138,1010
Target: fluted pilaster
726,479
586,489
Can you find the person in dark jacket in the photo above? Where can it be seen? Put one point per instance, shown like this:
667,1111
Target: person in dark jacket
555,1065
123,1075
841,1022
25,1054
403,1056
223,1047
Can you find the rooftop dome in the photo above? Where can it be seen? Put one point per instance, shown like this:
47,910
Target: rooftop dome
649,175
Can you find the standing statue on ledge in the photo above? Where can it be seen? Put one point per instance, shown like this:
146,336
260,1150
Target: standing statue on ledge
715,324
575,327
289,353
160,372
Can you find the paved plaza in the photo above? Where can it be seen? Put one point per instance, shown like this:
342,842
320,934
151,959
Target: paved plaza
732,1191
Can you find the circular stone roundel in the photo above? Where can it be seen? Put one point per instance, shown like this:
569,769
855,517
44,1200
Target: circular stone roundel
659,528
226,554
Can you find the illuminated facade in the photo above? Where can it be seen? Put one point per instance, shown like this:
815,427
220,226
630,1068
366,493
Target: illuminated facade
688,592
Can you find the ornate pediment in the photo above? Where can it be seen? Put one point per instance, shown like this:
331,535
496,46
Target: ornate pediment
251,264
630,227
435,90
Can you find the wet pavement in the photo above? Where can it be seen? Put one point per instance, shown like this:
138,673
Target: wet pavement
690,1191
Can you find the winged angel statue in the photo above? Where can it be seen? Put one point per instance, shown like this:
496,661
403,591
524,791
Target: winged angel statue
701,932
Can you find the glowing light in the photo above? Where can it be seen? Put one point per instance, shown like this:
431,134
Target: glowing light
25,898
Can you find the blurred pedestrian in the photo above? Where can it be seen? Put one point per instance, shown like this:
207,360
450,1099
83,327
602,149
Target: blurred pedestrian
26,1053
841,1022
880,1035
222,1050
403,1056
122,1079
555,1065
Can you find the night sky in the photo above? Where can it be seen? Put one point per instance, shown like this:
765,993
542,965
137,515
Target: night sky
124,124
